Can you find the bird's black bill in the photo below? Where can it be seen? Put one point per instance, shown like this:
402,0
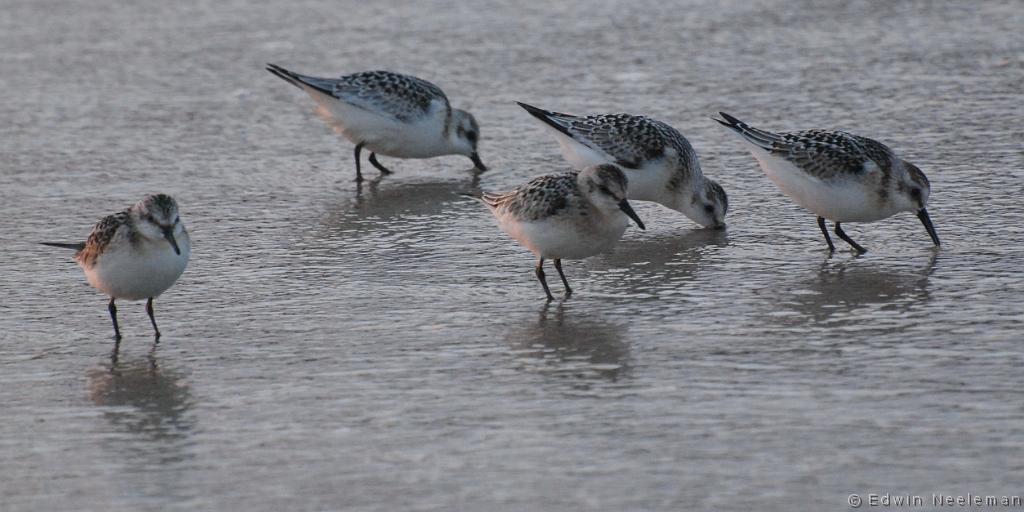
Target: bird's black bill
169,235
927,221
628,210
477,162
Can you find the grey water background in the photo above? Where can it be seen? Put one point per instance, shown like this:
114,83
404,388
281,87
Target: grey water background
388,348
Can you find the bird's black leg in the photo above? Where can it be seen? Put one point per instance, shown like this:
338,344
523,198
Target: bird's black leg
543,282
113,316
847,239
149,311
359,174
558,267
824,231
381,168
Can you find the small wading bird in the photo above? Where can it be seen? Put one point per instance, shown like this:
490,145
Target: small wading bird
392,114
659,162
838,176
135,254
565,216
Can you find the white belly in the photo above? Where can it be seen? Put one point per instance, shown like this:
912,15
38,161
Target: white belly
560,238
127,272
836,200
422,138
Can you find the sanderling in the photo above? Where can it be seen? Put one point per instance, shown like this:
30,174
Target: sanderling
838,176
660,163
391,114
565,216
135,254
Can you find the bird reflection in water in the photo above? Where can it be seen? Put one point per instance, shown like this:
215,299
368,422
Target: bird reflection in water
143,398
403,194
655,265
393,201
573,345
669,249
838,288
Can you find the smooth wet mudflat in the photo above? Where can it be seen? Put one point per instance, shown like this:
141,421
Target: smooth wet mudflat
386,347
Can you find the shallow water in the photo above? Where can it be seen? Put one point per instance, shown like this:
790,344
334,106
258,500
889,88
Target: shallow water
387,348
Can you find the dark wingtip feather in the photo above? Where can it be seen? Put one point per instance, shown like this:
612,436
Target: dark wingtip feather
728,117
546,116
296,79
761,138
283,74
539,113
77,246
732,121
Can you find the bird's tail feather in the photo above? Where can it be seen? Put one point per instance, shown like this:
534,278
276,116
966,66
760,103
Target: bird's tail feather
760,138
77,246
486,198
300,81
556,120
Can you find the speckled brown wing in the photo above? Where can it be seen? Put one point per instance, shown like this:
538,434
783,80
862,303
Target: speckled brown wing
105,231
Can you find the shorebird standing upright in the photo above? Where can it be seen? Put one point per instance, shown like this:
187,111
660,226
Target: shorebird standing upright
135,254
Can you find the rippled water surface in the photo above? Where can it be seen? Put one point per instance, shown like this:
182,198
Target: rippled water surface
387,348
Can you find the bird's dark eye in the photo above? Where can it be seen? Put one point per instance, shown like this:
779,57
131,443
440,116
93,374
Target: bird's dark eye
177,220
604,190
915,192
708,208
